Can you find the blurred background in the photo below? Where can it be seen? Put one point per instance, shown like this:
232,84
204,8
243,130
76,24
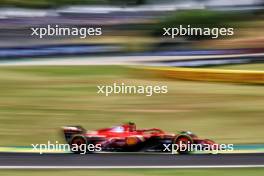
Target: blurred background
38,98
130,27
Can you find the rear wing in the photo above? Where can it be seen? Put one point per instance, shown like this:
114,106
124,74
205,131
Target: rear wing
69,131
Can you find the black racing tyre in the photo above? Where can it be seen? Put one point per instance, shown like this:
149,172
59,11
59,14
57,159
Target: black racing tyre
78,144
183,143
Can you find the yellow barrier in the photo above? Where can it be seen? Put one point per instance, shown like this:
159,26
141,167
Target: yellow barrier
197,74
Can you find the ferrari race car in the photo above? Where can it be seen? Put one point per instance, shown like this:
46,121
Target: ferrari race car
126,138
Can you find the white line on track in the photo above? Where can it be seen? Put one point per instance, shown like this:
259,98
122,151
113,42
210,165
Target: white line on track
133,167
114,60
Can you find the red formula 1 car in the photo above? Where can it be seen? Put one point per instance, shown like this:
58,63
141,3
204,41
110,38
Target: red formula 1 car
127,138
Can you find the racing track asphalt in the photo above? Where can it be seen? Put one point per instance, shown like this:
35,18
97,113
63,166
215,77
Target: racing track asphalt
133,159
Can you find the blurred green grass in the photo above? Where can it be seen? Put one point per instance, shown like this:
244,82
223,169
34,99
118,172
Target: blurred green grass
257,66
139,172
36,101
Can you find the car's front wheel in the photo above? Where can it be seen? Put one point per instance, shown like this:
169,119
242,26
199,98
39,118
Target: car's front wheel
183,144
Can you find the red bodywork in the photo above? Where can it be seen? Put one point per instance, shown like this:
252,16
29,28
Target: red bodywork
127,138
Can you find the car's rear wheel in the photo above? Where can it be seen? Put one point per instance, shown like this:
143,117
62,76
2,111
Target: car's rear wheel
183,144
78,144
